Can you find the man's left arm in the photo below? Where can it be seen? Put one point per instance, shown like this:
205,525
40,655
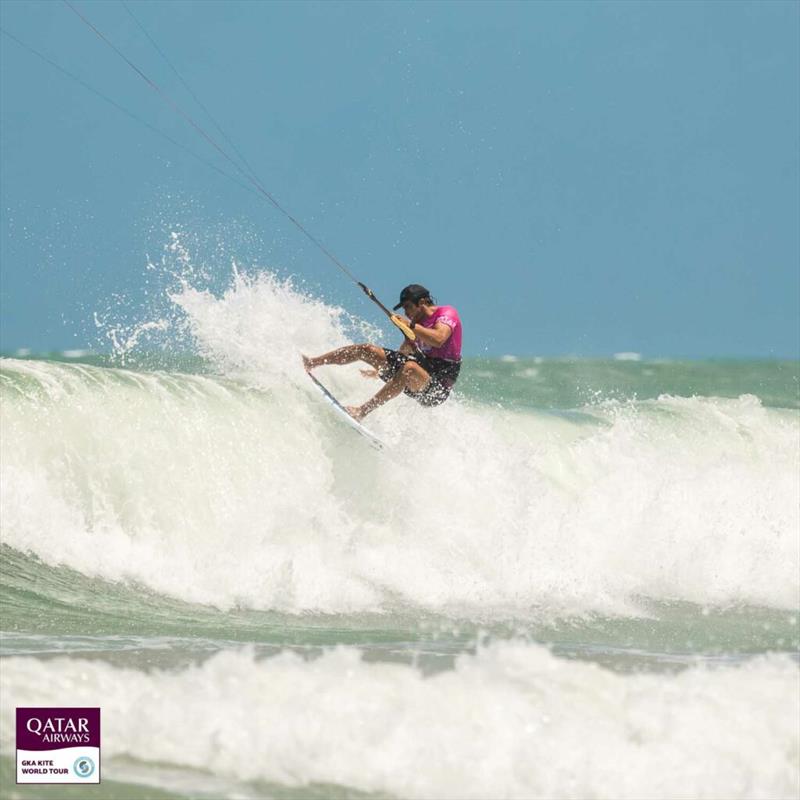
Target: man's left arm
436,336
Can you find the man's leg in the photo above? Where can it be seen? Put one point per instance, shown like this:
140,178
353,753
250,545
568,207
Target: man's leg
369,353
412,376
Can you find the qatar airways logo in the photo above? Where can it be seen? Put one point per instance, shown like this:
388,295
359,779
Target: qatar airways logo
60,729
58,745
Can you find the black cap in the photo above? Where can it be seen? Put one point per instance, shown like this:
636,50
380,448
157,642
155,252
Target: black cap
413,292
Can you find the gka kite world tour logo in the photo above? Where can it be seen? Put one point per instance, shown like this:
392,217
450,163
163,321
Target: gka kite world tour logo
58,745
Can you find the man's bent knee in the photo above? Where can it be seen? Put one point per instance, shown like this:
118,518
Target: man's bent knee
372,355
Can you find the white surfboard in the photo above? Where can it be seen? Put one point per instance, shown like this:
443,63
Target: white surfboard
340,412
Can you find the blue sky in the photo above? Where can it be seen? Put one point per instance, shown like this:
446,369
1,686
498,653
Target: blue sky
577,178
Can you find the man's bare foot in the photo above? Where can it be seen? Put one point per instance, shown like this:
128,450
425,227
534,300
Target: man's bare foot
355,412
308,363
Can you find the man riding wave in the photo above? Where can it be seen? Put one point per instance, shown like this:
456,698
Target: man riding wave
425,369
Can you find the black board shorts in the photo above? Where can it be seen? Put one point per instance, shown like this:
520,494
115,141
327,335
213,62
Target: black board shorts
443,375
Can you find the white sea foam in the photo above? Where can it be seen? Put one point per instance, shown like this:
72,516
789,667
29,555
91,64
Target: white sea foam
246,492
511,721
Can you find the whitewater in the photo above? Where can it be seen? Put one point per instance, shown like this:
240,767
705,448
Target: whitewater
538,590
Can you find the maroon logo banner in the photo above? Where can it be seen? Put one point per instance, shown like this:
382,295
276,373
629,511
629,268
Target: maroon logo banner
58,745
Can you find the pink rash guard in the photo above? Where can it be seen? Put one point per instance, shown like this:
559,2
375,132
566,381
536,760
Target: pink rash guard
451,349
